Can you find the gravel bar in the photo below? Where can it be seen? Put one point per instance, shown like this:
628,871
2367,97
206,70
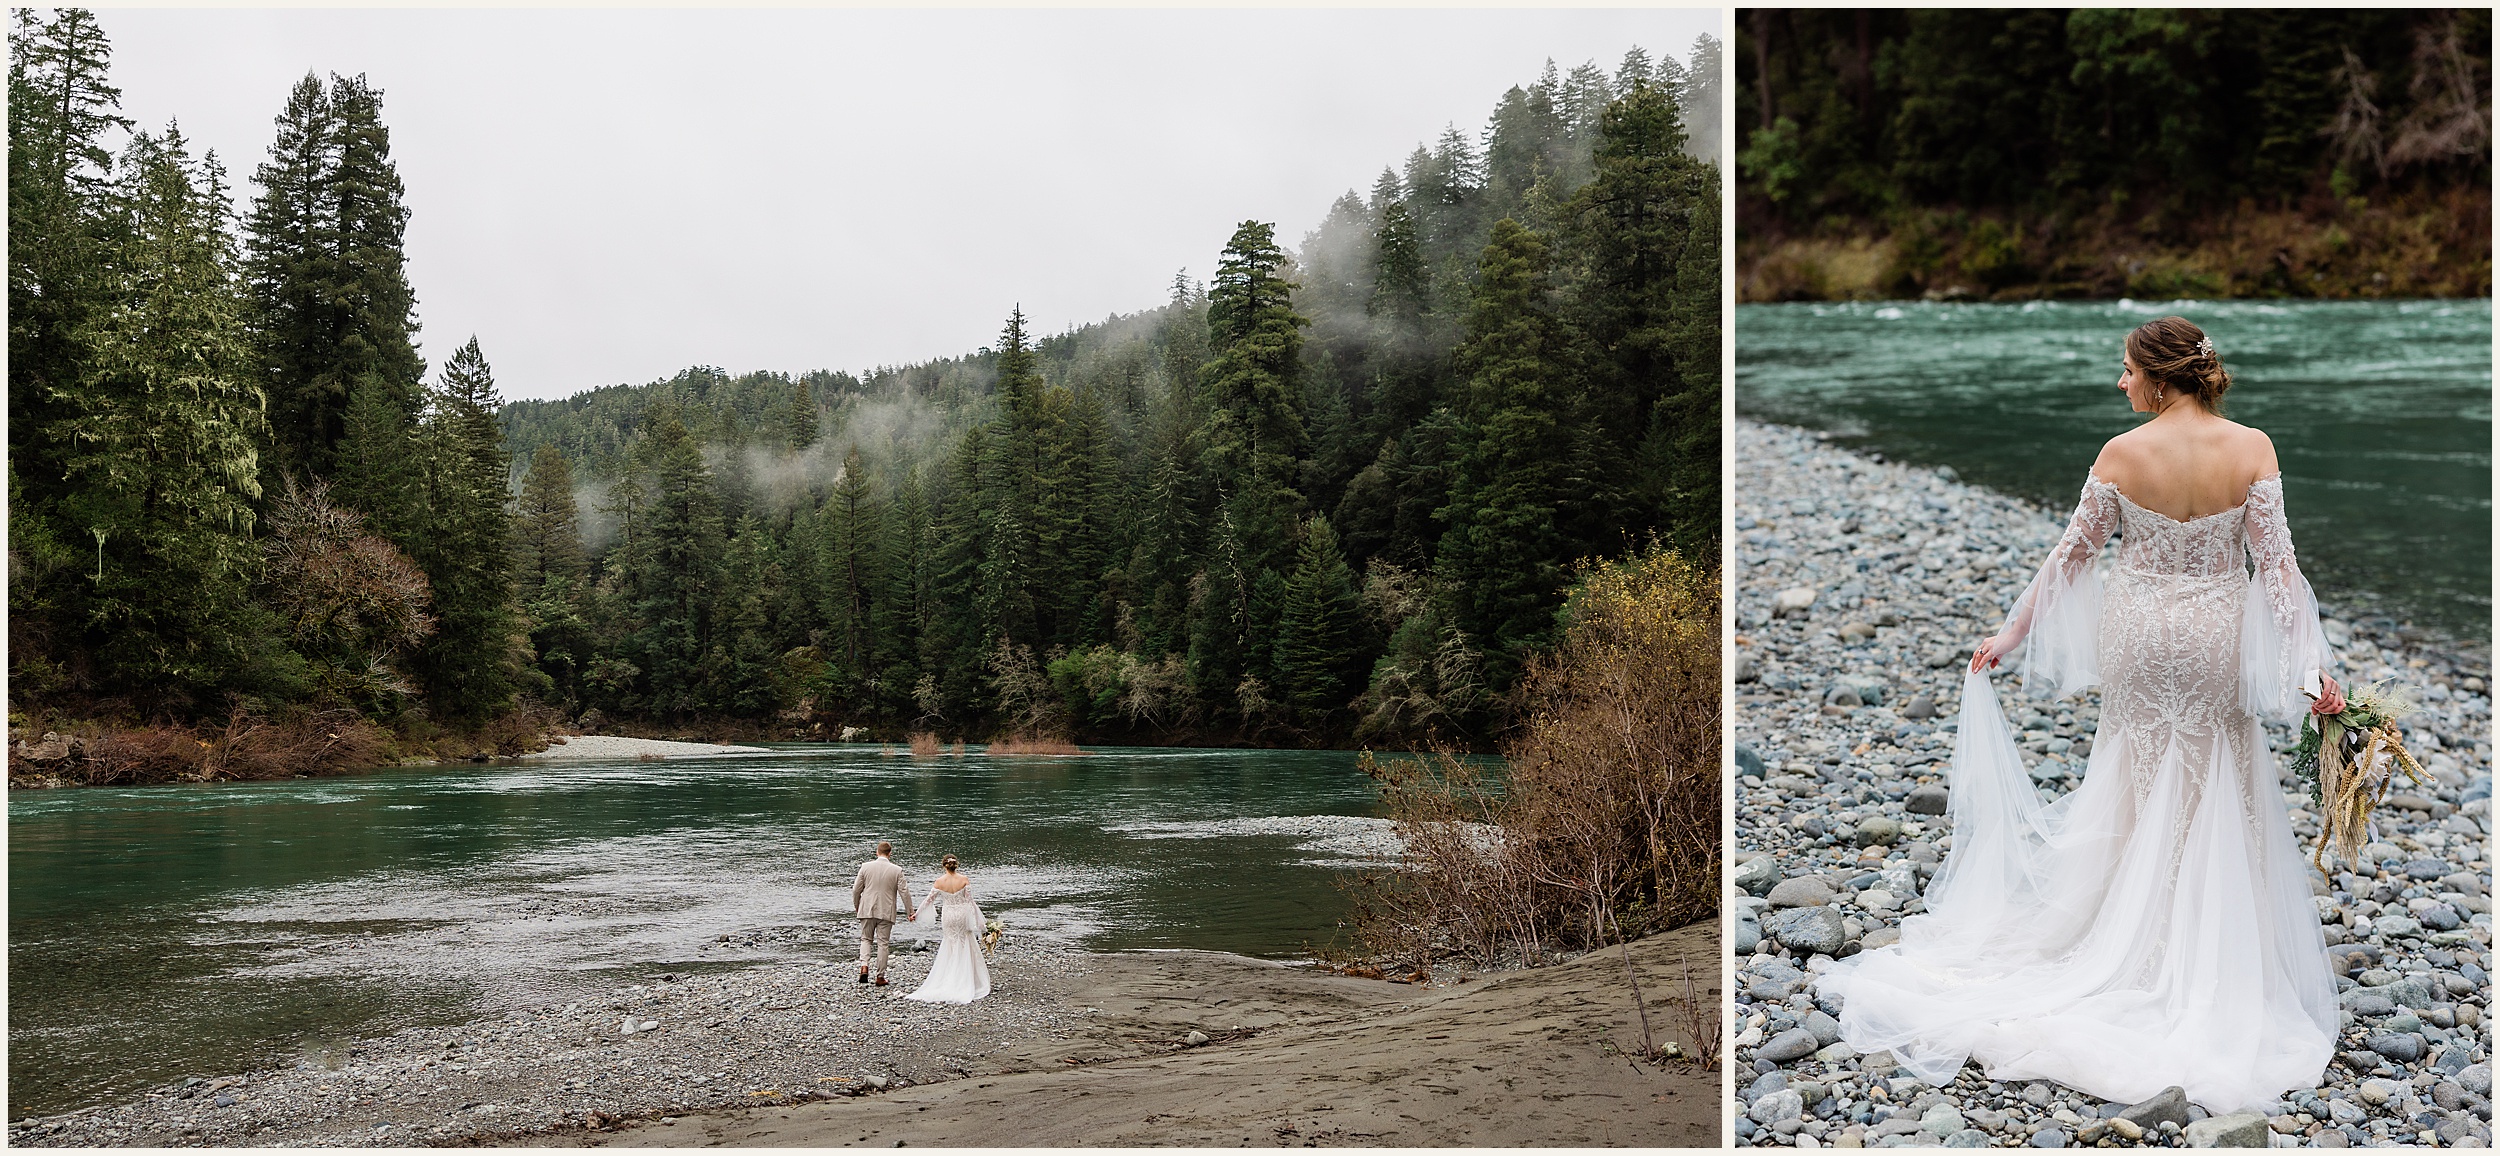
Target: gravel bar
1861,588
767,1035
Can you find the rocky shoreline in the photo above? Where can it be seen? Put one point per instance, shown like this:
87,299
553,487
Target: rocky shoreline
684,1043
1070,1048
1861,587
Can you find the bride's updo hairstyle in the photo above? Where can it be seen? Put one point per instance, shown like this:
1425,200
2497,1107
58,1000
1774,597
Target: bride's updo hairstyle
948,862
2181,359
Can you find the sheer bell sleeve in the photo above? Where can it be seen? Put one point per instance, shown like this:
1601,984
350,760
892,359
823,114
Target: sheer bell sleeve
2058,617
2280,639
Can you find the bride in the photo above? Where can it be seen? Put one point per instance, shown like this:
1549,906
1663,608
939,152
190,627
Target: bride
960,975
2154,926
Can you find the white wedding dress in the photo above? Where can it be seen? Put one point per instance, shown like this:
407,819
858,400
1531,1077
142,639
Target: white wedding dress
2154,926
960,975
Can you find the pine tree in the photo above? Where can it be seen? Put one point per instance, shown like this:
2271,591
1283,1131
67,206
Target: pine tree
162,437
1405,370
1014,567
61,243
901,608
472,665
1504,552
1255,442
548,567
292,234
738,671
378,465
853,537
1086,495
334,312
1645,235
1402,282
547,537
957,637
672,577
1317,634
1697,99
801,420
1255,435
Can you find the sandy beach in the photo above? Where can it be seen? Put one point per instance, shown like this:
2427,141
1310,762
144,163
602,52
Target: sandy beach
1297,1058
1070,1048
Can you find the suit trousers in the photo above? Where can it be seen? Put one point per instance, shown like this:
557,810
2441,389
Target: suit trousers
877,932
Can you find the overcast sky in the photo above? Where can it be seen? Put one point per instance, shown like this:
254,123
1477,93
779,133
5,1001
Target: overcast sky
611,196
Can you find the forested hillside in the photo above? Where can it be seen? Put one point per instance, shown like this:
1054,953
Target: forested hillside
2022,153
1337,492
1333,492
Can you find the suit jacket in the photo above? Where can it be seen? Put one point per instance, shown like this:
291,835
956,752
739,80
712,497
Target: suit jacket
879,890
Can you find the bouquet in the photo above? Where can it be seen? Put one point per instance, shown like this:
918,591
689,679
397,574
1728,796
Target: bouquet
2349,759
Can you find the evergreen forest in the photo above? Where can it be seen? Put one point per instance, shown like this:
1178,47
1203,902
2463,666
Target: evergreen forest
1337,492
2021,153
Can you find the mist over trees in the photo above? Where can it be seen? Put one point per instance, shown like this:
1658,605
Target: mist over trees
1336,491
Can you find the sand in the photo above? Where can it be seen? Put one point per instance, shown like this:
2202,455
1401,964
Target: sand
1296,1057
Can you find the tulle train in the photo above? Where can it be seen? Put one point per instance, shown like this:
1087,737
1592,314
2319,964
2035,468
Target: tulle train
2114,944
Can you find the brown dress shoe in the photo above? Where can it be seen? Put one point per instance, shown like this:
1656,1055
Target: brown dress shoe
863,975
881,981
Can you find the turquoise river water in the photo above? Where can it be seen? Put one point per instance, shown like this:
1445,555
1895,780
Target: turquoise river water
165,931
2380,412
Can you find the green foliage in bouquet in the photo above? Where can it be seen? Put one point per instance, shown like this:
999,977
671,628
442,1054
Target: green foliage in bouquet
2365,710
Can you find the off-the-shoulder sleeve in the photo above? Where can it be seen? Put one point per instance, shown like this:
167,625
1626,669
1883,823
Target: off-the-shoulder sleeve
2058,618
2280,640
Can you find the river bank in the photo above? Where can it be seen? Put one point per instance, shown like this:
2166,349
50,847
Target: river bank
1069,1048
1841,804
2425,243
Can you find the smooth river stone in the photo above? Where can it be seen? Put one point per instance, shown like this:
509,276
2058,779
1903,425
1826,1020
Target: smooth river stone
1803,891
1793,1044
1809,930
1757,876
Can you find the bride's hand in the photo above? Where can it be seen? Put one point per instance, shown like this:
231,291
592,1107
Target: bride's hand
2330,698
1992,650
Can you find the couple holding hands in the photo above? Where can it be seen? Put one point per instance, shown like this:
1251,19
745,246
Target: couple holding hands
960,975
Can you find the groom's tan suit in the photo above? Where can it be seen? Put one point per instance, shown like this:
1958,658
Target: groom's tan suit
878,892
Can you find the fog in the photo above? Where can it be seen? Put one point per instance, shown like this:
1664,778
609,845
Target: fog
607,197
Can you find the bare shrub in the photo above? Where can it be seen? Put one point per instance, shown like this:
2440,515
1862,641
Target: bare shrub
924,745
2451,116
1022,744
246,746
338,587
1701,1021
1605,825
527,728
149,754
1025,696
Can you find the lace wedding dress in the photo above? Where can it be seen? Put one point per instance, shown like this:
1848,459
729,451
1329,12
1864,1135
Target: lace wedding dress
960,975
2154,926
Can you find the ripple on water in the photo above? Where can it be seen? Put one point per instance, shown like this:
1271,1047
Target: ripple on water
163,932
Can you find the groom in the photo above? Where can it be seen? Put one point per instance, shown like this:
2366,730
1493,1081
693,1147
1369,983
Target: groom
875,895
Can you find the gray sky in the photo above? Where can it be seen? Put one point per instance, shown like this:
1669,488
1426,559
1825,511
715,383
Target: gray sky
611,196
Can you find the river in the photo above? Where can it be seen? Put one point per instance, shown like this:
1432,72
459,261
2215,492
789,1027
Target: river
2380,412
167,931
